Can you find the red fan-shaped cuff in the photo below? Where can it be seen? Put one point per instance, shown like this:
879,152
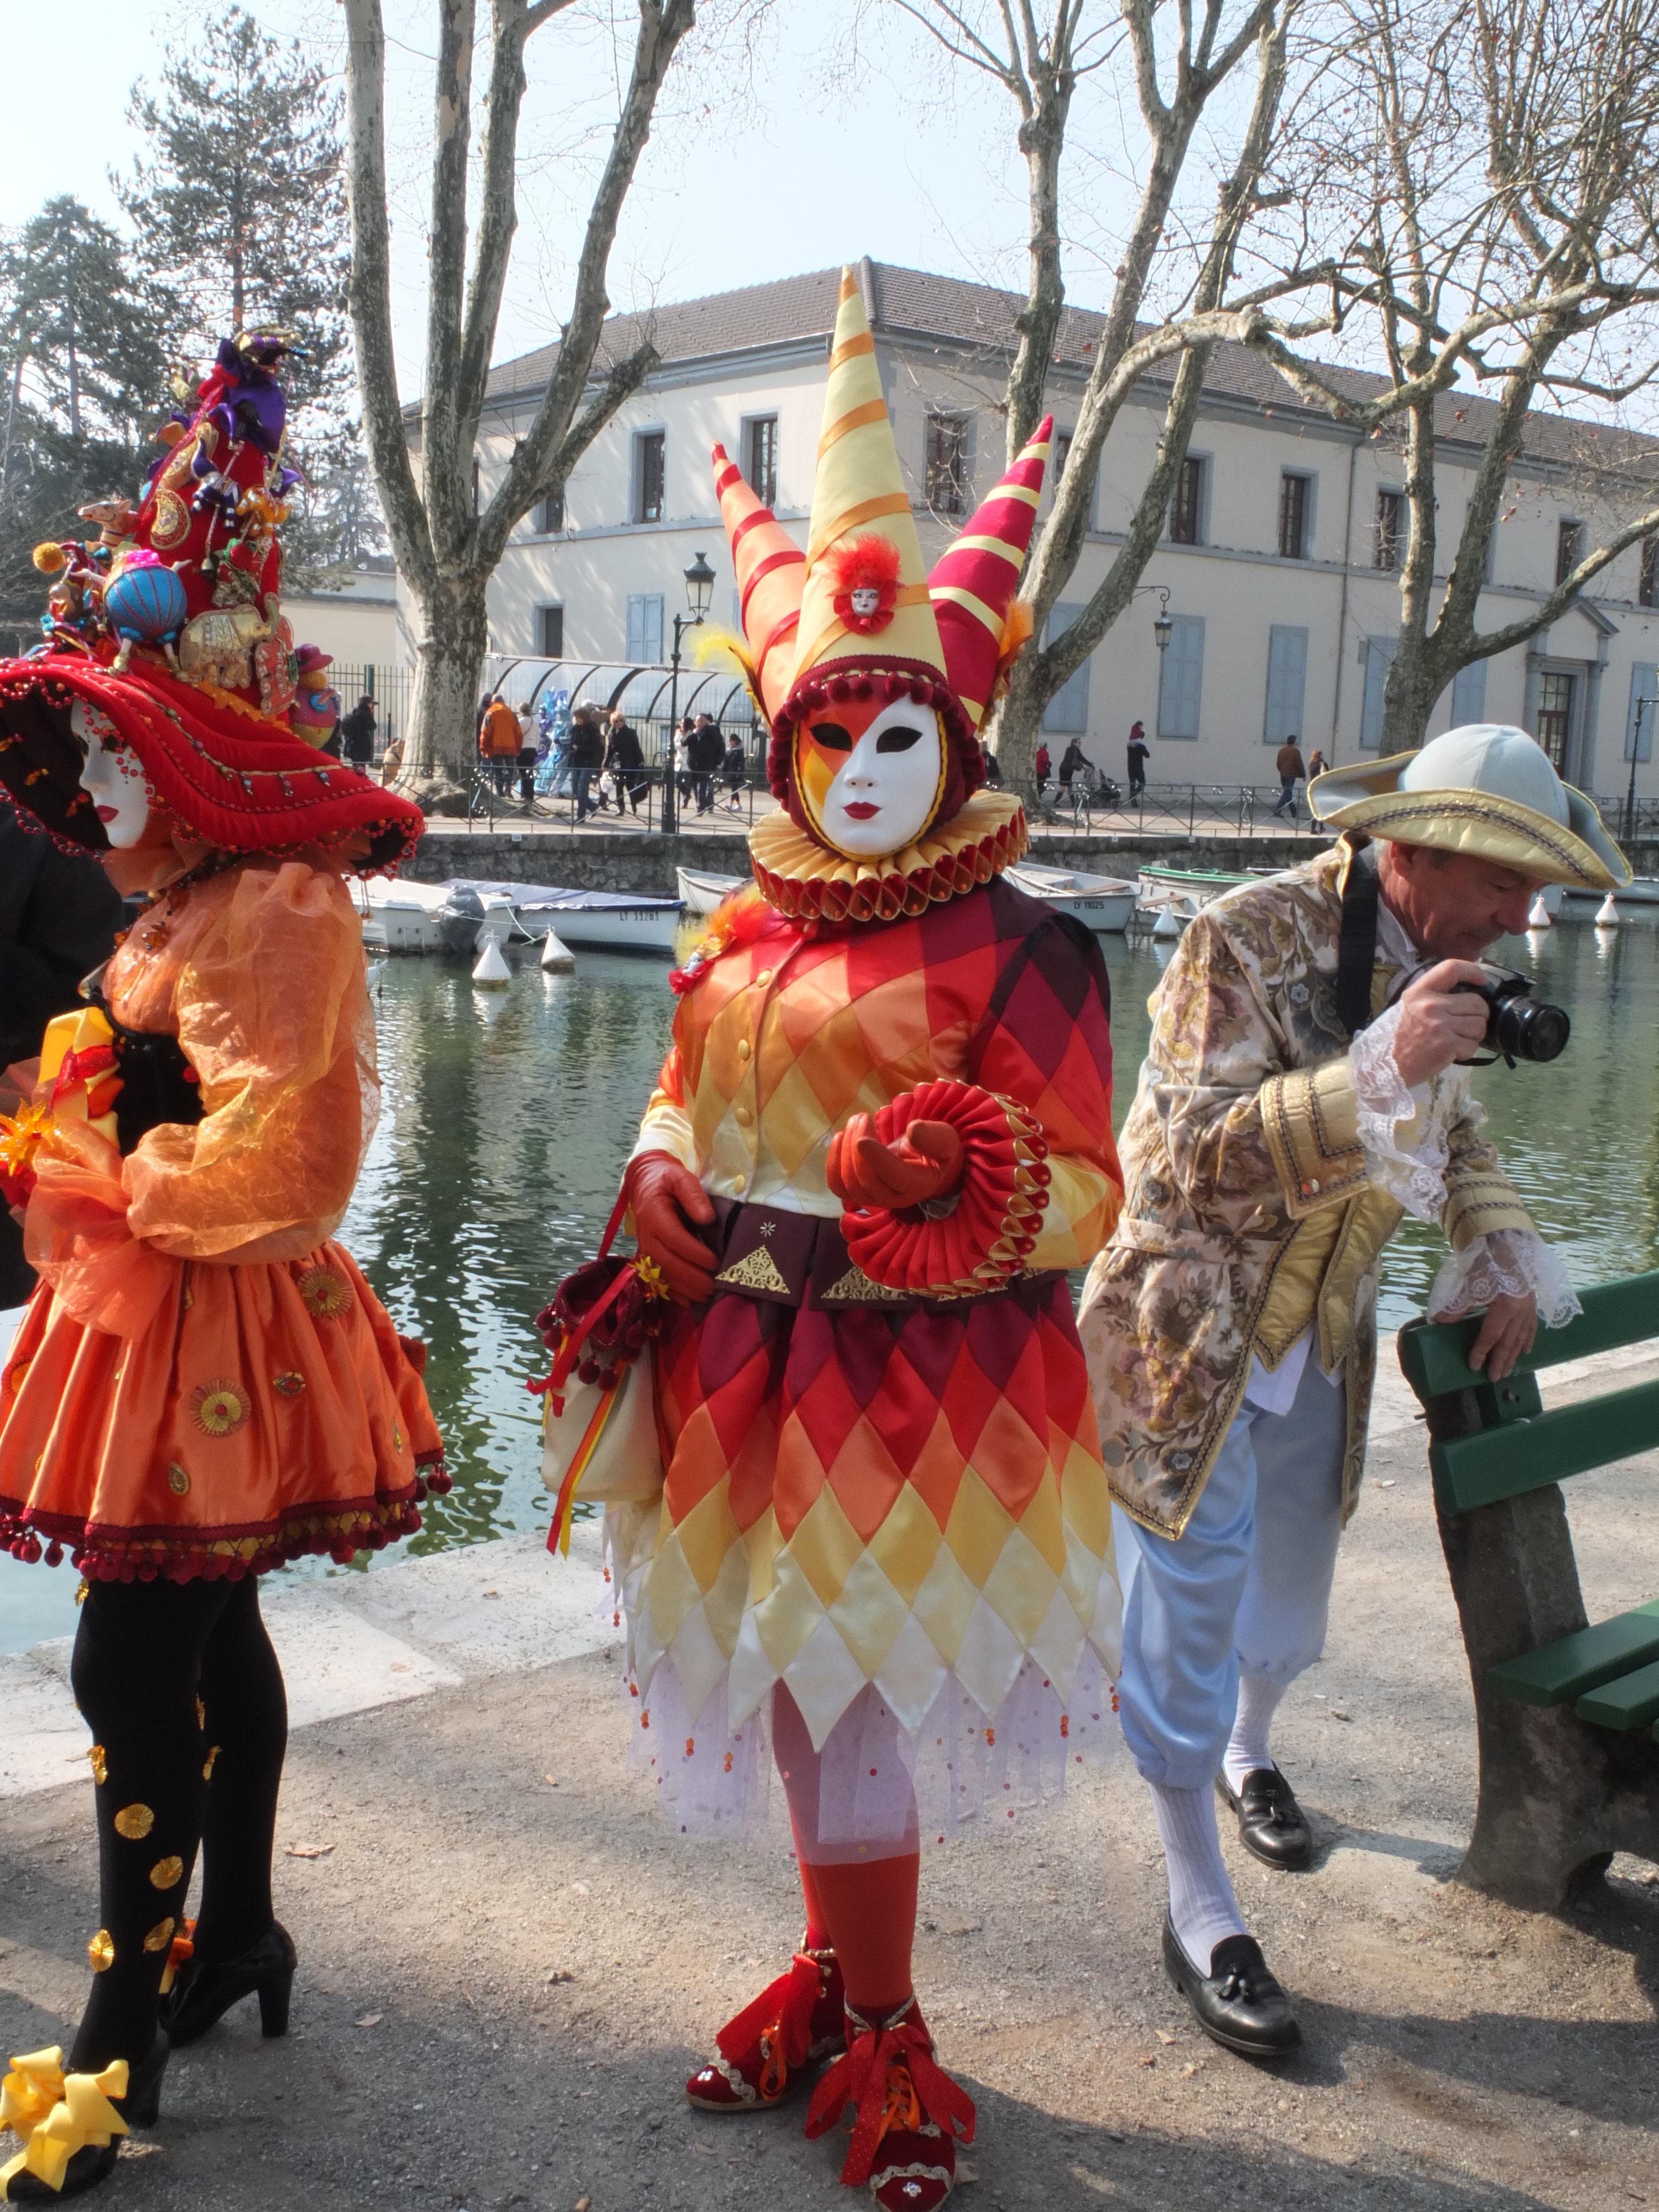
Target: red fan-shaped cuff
993,1230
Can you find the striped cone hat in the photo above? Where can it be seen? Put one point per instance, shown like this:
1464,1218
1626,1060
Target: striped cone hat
973,585
865,600
771,574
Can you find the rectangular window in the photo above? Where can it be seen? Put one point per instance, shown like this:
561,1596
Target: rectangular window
1287,676
644,630
1379,652
1293,518
1062,452
1569,549
549,515
761,457
1647,582
550,623
1644,705
1389,549
1180,678
1469,695
1067,713
1187,508
949,461
1555,715
650,464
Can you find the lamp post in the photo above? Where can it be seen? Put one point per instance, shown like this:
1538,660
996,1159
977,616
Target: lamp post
699,590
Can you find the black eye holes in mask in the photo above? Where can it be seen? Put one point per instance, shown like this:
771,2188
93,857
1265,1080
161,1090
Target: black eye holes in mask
835,739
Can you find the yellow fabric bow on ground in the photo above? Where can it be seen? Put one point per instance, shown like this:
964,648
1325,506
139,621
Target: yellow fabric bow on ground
55,2114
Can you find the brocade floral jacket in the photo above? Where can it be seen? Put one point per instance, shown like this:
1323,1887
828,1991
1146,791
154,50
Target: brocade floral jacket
1249,1215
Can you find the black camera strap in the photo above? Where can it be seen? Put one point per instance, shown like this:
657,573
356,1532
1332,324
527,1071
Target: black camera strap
1356,956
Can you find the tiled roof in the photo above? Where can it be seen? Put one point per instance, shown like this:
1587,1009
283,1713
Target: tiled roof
912,302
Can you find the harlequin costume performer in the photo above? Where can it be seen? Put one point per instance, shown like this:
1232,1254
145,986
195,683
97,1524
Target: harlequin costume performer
203,1386
882,1134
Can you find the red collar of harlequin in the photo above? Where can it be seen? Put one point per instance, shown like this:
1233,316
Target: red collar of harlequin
807,882
234,778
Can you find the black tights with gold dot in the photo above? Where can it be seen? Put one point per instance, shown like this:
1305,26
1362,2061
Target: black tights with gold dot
181,1687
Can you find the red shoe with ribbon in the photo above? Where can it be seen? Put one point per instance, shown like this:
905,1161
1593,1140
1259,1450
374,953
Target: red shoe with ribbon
910,2114
796,2021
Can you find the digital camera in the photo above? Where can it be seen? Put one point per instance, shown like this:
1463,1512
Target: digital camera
1519,1026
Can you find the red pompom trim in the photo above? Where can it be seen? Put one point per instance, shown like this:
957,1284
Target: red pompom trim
990,1234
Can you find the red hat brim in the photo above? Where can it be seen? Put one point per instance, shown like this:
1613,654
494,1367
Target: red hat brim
232,777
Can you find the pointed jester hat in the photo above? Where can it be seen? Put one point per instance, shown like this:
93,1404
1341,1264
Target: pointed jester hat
856,620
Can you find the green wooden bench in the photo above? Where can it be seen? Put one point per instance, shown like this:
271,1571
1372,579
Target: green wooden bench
1567,1712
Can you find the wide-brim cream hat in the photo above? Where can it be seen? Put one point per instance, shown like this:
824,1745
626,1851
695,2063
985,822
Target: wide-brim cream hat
1486,788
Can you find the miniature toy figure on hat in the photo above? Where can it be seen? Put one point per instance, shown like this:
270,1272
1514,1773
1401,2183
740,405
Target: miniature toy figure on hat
315,714
203,1386
880,1551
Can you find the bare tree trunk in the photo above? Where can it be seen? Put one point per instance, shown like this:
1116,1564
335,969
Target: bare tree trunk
447,552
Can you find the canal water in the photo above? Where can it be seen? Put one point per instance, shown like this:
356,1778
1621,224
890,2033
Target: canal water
507,1116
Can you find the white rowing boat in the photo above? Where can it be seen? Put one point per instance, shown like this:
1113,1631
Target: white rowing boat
402,917
1099,903
704,891
608,921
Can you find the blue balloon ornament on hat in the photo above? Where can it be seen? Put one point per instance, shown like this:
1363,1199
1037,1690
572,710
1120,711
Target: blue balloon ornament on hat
145,605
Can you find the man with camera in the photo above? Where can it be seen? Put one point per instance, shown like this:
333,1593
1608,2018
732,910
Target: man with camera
1305,1086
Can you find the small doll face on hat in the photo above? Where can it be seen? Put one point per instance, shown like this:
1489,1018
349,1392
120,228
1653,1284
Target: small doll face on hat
113,776
870,773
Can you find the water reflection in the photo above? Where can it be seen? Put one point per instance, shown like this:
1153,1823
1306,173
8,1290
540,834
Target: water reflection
508,1116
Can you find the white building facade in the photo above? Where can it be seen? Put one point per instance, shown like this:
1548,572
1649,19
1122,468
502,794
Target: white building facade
1280,556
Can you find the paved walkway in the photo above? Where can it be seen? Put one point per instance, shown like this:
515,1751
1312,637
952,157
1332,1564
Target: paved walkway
509,1962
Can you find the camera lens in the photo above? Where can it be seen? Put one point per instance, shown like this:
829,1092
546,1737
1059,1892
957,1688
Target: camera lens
1526,1028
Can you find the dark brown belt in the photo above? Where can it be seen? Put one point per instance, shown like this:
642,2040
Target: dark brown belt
787,1259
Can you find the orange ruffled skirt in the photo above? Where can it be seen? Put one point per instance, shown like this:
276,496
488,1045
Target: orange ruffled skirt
265,1411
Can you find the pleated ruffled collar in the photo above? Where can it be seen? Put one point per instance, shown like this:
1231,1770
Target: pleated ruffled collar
805,881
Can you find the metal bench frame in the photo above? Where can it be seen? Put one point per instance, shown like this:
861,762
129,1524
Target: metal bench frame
1561,1789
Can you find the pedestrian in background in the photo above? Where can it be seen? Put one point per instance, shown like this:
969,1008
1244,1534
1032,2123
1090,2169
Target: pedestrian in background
1317,763
1042,767
528,735
735,770
587,758
1288,763
499,740
706,754
1139,753
357,733
625,756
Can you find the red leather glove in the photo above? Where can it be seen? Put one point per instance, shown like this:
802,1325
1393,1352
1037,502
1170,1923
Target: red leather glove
663,1198
864,1173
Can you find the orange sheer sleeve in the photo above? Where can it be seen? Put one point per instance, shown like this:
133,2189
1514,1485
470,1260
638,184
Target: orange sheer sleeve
273,1014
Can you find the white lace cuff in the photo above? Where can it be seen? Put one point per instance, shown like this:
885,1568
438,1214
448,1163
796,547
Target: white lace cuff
1509,1263
1404,1152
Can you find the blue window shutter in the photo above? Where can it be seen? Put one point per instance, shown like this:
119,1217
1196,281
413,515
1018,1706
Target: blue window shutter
1181,679
1379,652
1639,722
1469,695
1287,679
644,628
1067,713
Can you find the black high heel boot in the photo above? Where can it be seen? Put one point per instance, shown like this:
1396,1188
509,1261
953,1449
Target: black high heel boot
206,1988
94,2162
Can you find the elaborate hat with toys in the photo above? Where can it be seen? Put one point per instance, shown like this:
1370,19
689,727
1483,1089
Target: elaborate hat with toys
165,633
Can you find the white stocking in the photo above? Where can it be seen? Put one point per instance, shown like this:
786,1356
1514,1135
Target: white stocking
1202,1906
1248,1747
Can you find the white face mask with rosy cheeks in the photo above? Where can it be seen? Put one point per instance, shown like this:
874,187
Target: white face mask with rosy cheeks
113,779
880,799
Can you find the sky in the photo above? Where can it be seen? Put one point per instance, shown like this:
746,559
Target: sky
784,157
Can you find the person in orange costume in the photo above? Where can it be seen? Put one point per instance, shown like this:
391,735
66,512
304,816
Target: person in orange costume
203,1386
882,1134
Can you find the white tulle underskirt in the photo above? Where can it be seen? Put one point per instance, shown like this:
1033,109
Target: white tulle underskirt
962,1768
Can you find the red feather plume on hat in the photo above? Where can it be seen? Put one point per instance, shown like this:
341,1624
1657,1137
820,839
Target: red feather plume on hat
865,572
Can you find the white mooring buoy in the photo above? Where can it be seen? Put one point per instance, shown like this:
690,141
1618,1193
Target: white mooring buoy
492,972
1166,926
557,959
1540,916
1607,915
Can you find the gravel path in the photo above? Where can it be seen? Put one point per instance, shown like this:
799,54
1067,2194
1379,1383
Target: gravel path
509,1963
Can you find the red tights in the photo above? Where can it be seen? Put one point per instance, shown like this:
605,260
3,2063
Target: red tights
861,1898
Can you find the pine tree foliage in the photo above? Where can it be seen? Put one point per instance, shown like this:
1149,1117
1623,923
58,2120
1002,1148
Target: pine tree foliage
238,210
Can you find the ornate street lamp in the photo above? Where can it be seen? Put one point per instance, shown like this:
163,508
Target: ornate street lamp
699,592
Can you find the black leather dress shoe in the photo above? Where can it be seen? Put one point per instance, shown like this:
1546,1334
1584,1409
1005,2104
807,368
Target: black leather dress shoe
1238,2002
1272,1826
